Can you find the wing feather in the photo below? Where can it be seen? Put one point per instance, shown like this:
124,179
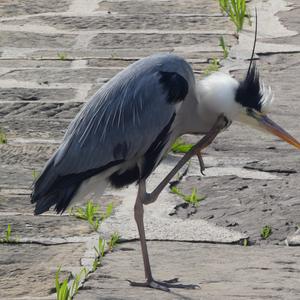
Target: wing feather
120,122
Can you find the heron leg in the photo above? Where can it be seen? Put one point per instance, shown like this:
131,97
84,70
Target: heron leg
195,150
150,282
139,219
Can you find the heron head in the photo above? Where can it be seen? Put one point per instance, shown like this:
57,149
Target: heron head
255,100
246,101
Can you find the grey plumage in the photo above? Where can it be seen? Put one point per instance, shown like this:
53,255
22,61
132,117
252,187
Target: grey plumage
118,125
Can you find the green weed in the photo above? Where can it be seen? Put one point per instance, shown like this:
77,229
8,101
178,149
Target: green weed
265,232
236,10
3,138
100,252
7,236
213,66
114,239
90,213
35,174
62,55
224,47
63,290
193,198
108,212
180,146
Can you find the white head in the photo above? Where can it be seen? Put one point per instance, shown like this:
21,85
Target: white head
246,101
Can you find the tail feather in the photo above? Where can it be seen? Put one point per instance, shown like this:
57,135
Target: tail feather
49,191
60,198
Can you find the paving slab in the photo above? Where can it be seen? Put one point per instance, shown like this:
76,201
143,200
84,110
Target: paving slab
128,22
28,270
54,56
254,273
160,7
11,8
36,40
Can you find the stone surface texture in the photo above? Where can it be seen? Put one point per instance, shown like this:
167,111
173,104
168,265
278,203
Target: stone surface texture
54,55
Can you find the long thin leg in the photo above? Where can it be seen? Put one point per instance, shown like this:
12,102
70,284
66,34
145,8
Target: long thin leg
144,198
150,282
139,218
195,150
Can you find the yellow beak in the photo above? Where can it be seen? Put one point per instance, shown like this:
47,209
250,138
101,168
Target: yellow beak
267,124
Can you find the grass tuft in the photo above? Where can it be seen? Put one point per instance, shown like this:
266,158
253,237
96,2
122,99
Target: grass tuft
114,239
180,146
3,138
92,214
63,290
192,198
62,55
214,66
224,47
7,236
236,10
265,232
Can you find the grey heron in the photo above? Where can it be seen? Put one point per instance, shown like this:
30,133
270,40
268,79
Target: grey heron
124,131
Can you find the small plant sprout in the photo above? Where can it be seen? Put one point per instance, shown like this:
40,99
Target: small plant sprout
265,232
90,213
180,146
224,47
77,280
100,249
114,239
7,236
236,10
63,290
62,55
35,174
100,252
3,138
108,211
193,198
214,66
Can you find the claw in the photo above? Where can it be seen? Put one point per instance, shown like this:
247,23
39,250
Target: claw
201,162
163,285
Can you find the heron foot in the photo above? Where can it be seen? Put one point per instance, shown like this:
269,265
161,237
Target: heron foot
164,285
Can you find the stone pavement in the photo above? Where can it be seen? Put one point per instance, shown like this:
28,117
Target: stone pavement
53,56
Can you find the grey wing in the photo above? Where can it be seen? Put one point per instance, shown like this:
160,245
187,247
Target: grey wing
128,118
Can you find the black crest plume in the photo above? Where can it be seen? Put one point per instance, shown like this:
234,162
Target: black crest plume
249,94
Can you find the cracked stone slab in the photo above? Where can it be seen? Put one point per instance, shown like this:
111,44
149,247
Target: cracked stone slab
129,22
28,270
37,130
294,239
155,40
86,75
28,110
221,271
158,224
43,227
55,62
160,7
36,40
23,94
10,8
291,21
29,156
